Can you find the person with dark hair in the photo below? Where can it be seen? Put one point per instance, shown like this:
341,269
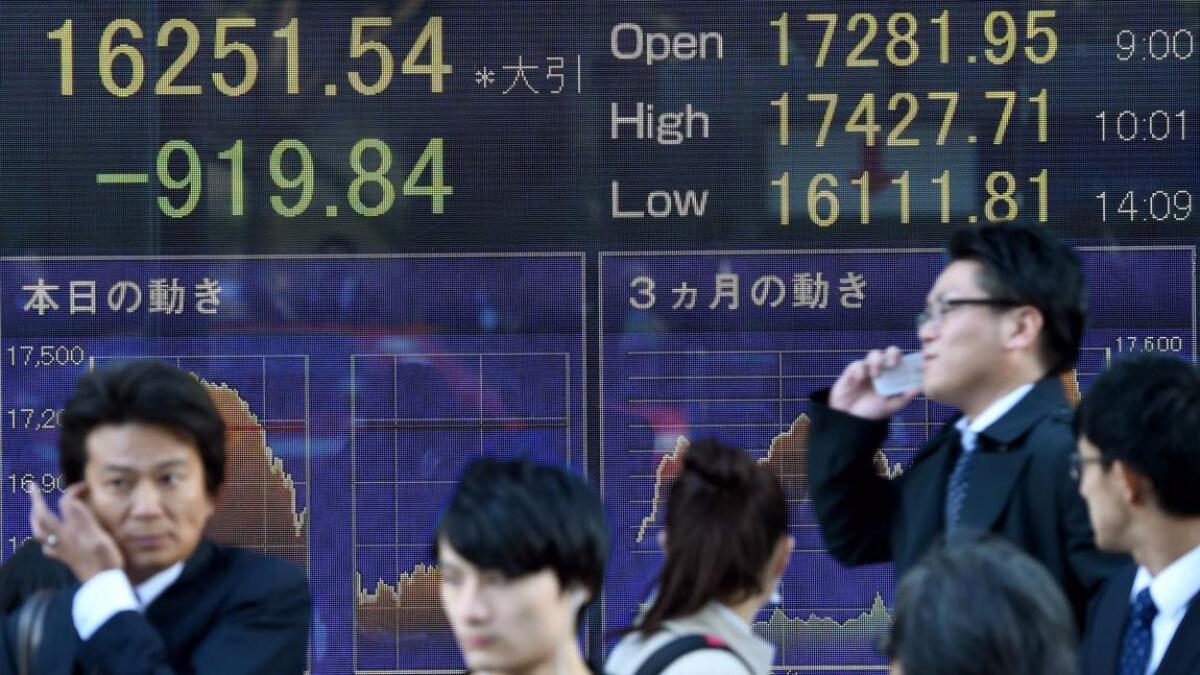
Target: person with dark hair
123,581
980,607
1139,471
1003,319
727,546
522,549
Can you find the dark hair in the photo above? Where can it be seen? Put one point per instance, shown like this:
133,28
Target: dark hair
143,392
981,607
725,516
1027,264
518,517
1145,412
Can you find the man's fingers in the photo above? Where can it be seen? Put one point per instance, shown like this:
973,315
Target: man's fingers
849,386
36,501
35,524
71,497
37,509
43,523
76,514
75,491
881,360
855,373
892,356
874,361
94,549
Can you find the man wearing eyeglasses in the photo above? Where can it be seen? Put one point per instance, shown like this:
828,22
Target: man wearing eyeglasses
1138,468
1003,319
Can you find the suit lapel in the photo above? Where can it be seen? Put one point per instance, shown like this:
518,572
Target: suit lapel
925,491
1109,621
993,478
1002,459
1183,653
194,569
1046,398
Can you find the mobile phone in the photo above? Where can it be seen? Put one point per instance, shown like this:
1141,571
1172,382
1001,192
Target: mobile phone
904,376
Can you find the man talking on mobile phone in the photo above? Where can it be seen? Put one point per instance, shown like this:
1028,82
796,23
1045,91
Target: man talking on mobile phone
122,580
1004,318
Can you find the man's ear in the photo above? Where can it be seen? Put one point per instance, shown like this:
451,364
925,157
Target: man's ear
1135,489
782,556
1024,330
213,502
578,596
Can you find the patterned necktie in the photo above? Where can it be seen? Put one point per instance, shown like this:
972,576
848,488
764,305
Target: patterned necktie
1135,645
960,479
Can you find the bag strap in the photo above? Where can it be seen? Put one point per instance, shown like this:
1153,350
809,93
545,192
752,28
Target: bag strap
31,623
664,656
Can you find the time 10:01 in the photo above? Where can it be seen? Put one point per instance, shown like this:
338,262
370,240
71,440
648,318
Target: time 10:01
1157,126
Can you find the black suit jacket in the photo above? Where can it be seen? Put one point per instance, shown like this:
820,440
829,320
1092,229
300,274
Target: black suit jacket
1101,649
230,611
1021,488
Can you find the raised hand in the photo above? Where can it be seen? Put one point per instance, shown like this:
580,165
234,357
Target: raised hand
77,539
853,392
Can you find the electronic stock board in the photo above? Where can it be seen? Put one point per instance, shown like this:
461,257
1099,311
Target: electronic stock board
393,236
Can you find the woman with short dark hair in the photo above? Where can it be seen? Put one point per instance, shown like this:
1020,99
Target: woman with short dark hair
726,546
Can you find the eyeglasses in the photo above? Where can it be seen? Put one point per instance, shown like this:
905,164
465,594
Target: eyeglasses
1078,461
934,312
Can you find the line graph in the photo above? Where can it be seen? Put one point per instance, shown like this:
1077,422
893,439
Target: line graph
753,398
417,419
743,373
408,610
768,426
800,628
492,363
786,456
477,353
856,635
263,504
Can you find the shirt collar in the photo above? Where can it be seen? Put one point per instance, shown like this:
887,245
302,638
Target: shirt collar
149,590
739,635
731,616
1174,587
993,412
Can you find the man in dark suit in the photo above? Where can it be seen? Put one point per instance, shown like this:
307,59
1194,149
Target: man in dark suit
1138,468
132,585
1003,319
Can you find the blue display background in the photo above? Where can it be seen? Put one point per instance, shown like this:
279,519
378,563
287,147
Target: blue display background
400,367
744,375
377,379
468,355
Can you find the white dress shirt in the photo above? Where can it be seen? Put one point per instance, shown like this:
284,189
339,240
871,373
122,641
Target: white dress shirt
1172,590
969,429
109,593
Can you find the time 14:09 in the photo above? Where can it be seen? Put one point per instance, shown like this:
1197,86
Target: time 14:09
1159,206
